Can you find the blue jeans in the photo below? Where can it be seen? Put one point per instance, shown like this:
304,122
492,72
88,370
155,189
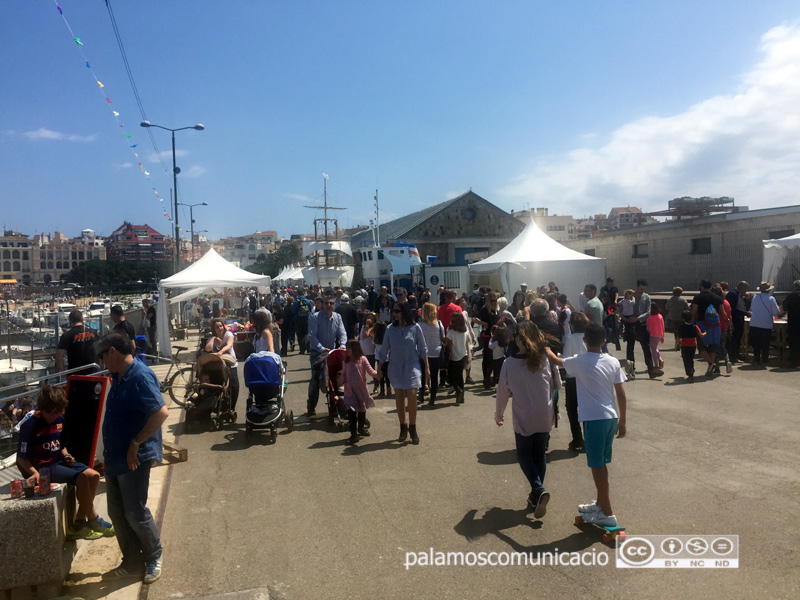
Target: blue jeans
531,456
137,535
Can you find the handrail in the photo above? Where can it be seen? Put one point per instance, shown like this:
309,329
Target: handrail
32,382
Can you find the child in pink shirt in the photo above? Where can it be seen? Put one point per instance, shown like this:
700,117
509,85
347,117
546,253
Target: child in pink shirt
353,376
655,323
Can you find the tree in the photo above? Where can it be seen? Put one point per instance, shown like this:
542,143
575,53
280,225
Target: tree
272,263
117,272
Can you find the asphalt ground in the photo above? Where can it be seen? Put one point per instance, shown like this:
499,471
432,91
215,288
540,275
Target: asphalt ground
308,517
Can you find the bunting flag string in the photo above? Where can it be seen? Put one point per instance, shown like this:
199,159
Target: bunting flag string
129,139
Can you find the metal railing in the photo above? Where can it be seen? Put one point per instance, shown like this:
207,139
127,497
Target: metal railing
34,382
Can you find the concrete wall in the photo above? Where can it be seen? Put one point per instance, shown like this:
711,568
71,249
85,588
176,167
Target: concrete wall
736,250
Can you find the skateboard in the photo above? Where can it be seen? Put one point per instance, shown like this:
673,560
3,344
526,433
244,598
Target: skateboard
609,533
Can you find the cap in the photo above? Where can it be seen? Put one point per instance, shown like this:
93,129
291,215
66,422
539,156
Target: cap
344,298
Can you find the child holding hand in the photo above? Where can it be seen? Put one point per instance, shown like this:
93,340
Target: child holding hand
353,377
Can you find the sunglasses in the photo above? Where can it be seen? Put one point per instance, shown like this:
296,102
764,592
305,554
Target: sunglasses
331,303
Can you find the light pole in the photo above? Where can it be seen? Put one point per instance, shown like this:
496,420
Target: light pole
191,221
175,171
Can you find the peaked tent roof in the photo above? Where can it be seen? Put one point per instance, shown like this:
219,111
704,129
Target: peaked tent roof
213,270
530,245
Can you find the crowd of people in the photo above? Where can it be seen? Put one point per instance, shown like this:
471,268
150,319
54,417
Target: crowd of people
412,343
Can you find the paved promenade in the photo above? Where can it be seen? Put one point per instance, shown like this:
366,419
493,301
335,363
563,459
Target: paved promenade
310,517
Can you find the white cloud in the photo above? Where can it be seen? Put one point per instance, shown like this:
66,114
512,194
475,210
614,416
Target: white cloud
125,165
745,145
193,172
48,134
301,197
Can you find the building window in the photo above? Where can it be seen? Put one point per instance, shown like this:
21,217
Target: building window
640,251
589,252
781,233
452,279
370,254
701,246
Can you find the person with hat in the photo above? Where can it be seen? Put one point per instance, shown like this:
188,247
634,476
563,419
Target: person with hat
764,308
791,306
349,315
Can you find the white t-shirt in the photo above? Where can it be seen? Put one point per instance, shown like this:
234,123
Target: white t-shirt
595,376
458,349
573,346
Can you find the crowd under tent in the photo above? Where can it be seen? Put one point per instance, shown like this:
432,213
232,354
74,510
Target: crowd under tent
210,271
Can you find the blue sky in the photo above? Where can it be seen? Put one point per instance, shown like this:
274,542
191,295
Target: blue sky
577,106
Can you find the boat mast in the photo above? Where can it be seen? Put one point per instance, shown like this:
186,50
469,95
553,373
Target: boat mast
325,220
377,222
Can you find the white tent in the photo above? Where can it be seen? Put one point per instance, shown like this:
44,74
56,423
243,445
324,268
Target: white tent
209,271
534,258
775,252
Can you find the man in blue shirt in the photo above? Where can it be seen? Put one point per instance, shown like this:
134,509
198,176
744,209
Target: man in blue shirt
325,332
302,311
135,411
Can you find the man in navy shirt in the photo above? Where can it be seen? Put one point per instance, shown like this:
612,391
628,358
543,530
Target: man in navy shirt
135,411
325,332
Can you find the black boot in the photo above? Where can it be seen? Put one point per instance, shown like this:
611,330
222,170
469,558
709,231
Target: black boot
362,422
352,418
403,433
412,429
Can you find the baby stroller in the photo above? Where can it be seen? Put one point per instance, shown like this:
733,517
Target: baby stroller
265,377
337,411
210,393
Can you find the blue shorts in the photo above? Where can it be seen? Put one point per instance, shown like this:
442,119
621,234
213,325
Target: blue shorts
598,436
61,473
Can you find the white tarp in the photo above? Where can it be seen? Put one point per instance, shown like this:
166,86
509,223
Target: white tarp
209,271
534,258
775,252
335,245
338,276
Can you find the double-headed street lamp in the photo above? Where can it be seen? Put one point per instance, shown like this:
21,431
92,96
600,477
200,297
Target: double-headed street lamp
175,171
191,221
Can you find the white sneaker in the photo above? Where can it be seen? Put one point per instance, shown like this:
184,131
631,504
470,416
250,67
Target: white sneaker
728,368
588,508
600,518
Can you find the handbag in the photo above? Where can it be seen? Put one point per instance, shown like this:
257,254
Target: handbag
444,353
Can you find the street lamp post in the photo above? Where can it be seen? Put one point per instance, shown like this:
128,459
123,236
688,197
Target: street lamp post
191,221
175,171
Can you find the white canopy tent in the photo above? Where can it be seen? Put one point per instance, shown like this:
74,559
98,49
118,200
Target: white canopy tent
209,271
533,257
775,252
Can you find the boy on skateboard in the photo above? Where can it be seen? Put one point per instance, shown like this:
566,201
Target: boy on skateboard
598,377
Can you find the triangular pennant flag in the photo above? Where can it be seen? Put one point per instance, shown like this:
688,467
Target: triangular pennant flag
128,136
116,114
61,12
108,100
78,41
100,84
87,65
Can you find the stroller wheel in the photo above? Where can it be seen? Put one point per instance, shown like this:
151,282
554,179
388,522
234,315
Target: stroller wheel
215,424
233,417
289,421
248,434
274,435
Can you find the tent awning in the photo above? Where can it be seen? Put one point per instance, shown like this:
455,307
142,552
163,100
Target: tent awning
775,252
213,270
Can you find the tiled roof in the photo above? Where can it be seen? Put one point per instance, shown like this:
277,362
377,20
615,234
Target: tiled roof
395,230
